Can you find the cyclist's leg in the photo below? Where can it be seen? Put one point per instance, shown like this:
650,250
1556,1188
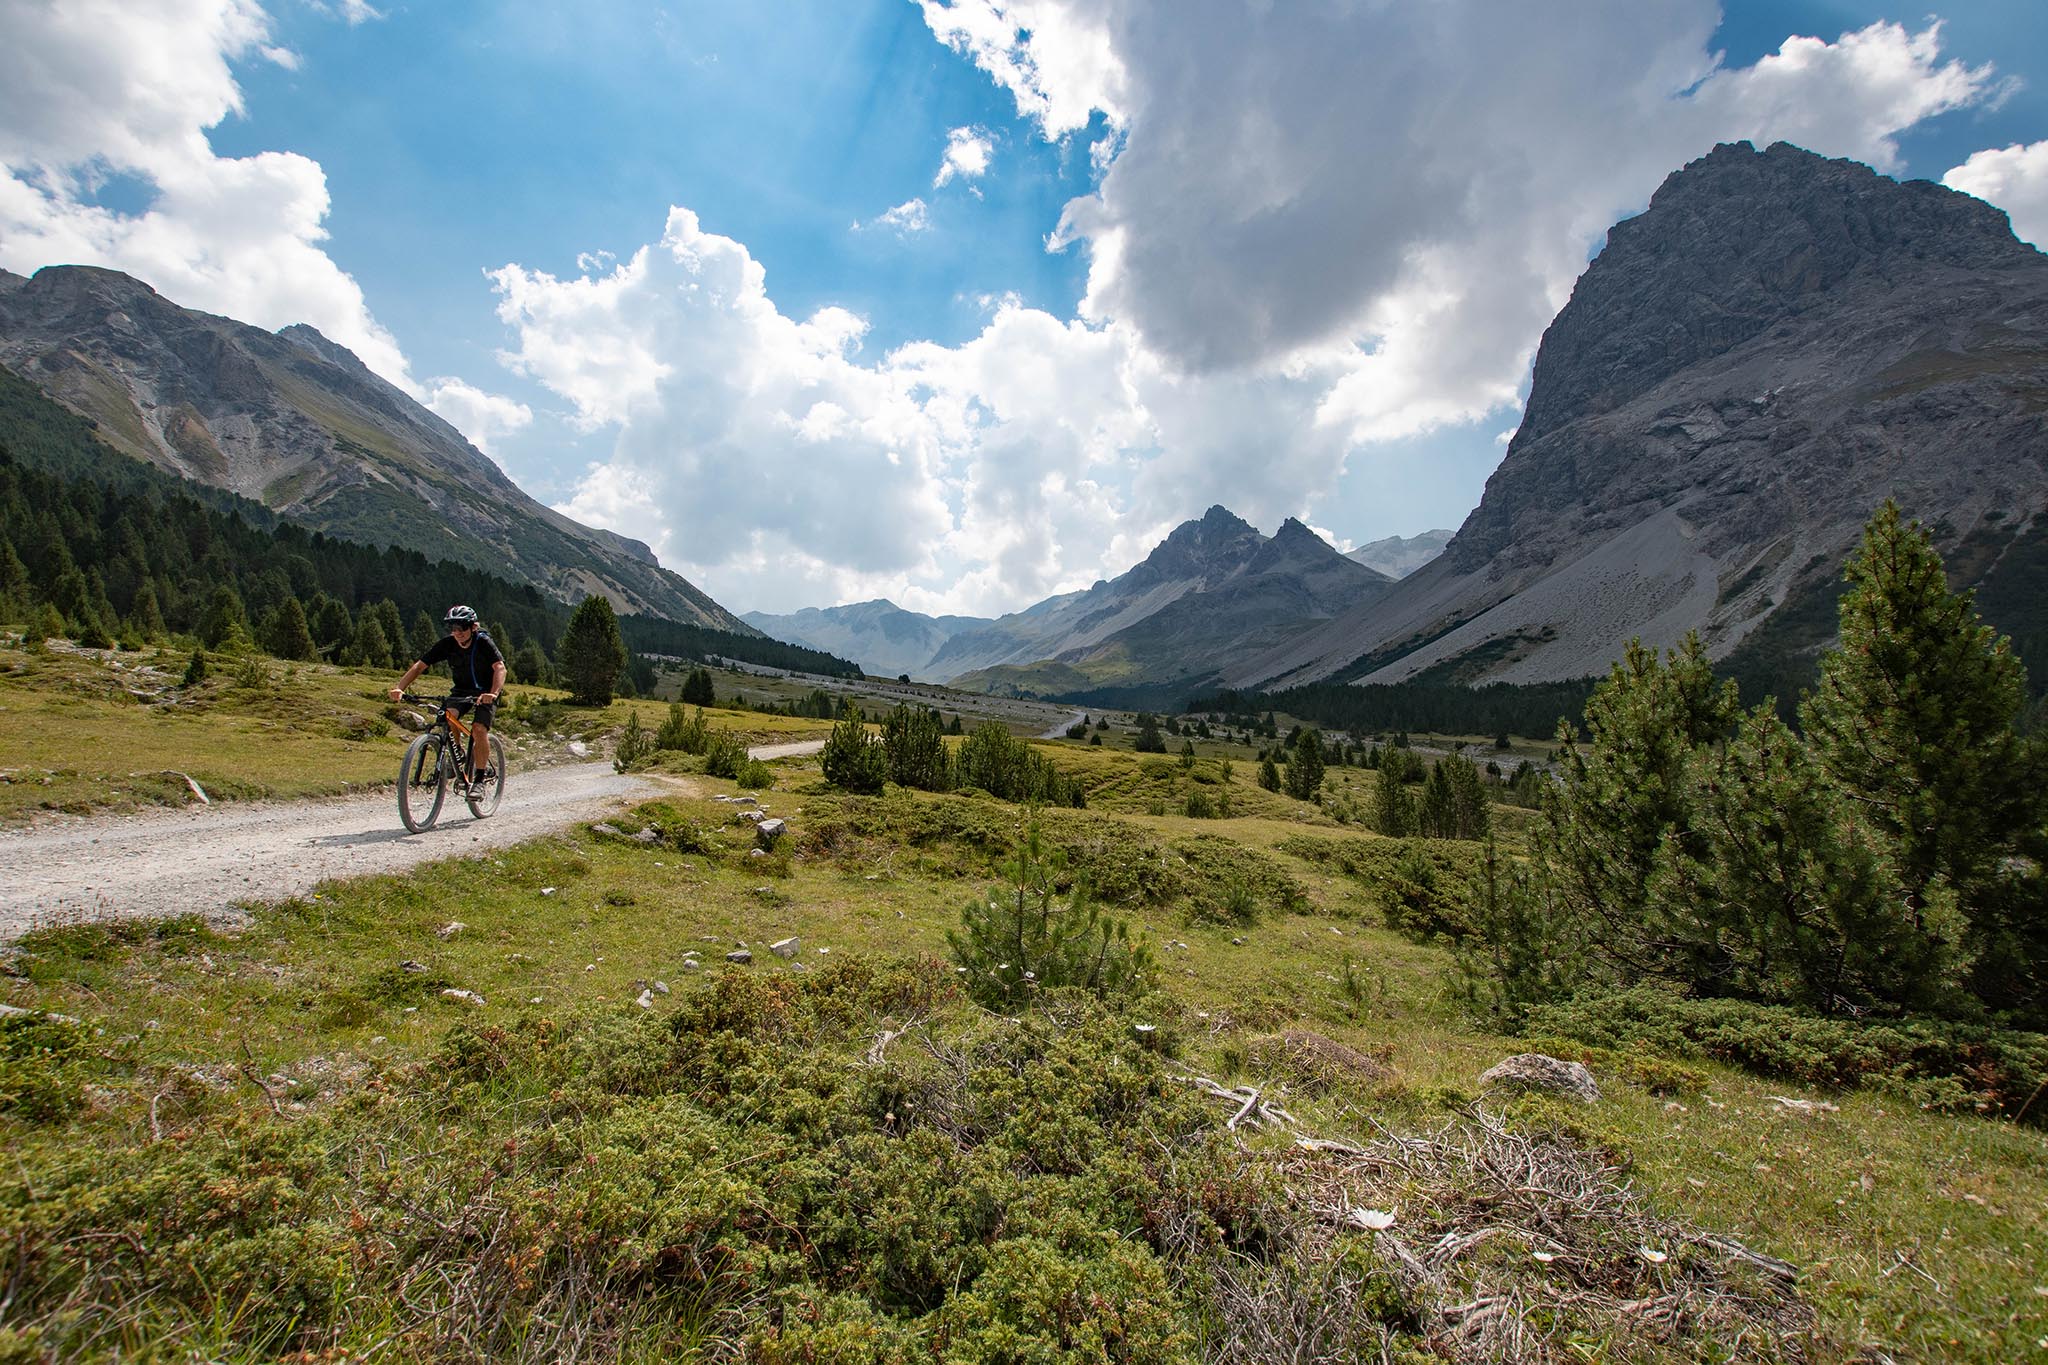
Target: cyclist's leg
480,740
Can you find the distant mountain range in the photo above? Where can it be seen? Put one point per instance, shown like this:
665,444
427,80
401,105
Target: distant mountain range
299,424
883,638
1399,556
1215,590
1747,369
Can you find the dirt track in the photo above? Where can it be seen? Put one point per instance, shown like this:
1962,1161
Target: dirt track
205,859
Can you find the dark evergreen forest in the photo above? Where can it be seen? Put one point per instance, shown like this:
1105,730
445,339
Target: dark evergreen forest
126,551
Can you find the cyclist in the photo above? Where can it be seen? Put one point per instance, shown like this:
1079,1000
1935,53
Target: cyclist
478,667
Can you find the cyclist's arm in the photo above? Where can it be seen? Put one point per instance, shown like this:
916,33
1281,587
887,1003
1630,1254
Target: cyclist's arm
397,693
497,682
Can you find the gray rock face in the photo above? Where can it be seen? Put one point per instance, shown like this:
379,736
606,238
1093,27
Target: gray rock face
293,421
1743,374
1535,1071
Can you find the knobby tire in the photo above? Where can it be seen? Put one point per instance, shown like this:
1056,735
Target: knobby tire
422,783
486,805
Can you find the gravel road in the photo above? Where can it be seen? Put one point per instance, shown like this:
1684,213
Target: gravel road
205,859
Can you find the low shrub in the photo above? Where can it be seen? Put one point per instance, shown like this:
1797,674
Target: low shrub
1942,1064
1424,886
44,1066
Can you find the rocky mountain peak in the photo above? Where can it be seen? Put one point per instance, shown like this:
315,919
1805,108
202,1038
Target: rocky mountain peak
1732,243
1220,541
1749,367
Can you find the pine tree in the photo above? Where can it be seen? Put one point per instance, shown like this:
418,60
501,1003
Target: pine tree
223,624
332,625
423,635
635,746
13,574
593,653
1791,897
1023,937
1436,814
1914,715
1149,741
685,733
916,749
1624,792
1305,769
1393,810
852,760
697,689
529,665
1914,721
148,615
1472,813
394,635
72,596
285,633
368,648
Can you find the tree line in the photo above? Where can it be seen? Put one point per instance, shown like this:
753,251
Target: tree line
113,551
1430,708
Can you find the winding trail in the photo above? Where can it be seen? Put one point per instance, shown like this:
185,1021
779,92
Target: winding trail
206,859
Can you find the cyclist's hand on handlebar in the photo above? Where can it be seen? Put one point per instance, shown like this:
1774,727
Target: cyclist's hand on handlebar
486,698
396,694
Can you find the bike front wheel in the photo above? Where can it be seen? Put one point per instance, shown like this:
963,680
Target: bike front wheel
422,783
483,801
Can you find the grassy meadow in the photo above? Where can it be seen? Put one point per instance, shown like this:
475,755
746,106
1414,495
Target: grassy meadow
290,1142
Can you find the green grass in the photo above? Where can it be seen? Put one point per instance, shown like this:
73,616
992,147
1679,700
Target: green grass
1917,1232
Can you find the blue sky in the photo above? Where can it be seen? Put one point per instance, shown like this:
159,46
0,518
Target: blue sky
1293,258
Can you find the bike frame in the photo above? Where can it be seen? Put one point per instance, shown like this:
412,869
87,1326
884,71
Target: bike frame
453,742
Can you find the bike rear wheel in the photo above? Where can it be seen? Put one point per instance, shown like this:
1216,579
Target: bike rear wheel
483,802
422,783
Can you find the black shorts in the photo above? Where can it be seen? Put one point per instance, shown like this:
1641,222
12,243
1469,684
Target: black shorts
486,712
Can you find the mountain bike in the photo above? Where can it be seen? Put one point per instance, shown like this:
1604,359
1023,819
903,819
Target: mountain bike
440,756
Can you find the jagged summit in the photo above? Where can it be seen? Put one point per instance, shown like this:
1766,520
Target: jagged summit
1212,591
1731,243
1778,343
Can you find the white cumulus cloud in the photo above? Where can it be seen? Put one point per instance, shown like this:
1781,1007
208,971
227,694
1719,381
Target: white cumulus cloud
968,152
2013,178
483,417
912,215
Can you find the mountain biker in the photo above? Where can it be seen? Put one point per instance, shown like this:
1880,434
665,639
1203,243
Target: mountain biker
478,667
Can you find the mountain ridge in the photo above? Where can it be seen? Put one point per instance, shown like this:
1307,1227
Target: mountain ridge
1213,591
298,423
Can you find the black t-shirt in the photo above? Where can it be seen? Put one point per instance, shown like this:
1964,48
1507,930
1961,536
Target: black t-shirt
471,667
